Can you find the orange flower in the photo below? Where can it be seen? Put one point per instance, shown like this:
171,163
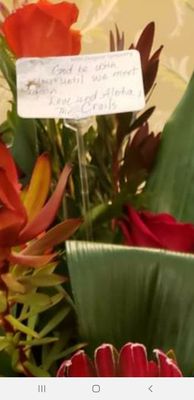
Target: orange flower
20,222
43,30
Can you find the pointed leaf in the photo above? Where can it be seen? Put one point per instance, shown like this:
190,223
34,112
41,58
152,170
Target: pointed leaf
7,163
39,187
170,187
56,320
37,342
39,308
25,145
31,261
54,236
48,212
145,42
37,299
21,327
36,371
43,280
140,295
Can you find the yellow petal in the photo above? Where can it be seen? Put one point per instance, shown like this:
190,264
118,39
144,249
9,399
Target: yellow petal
39,187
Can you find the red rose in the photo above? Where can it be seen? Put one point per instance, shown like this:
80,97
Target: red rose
43,30
146,229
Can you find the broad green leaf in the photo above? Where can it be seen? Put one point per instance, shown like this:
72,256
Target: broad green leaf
170,185
56,320
134,294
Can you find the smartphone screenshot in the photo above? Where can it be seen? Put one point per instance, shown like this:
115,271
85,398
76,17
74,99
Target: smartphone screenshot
96,199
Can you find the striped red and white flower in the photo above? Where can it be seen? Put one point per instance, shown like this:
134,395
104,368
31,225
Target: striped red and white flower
131,361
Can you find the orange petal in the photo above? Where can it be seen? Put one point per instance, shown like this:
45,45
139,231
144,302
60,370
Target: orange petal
41,29
12,27
48,213
54,236
65,12
37,192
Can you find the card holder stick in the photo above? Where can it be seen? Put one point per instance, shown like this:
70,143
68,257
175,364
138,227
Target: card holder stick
77,126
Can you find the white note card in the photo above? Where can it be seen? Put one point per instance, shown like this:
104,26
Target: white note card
80,86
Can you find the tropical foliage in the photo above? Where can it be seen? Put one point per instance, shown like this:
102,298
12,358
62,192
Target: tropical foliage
133,286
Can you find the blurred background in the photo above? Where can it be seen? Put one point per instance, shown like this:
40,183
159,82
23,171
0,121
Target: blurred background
174,29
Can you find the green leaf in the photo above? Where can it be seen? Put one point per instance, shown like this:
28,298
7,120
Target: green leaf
37,299
25,145
43,280
3,302
56,320
3,343
6,366
171,182
66,353
40,308
132,294
21,327
7,67
36,371
37,342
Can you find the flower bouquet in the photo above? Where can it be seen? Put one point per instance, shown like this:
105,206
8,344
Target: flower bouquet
69,307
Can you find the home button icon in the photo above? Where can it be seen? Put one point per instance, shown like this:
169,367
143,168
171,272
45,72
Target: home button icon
96,388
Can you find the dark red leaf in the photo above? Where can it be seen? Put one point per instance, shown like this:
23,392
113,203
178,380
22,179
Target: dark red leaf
145,42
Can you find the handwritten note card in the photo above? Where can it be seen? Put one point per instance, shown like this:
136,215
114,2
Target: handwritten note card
80,86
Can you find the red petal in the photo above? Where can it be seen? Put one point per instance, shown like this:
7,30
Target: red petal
173,235
48,212
133,361
12,213
42,30
140,234
167,368
126,361
13,29
106,361
140,360
7,163
11,224
152,369
64,369
80,366
65,12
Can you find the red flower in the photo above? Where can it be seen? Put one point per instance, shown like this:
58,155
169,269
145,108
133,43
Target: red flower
132,361
146,229
43,30
20,222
